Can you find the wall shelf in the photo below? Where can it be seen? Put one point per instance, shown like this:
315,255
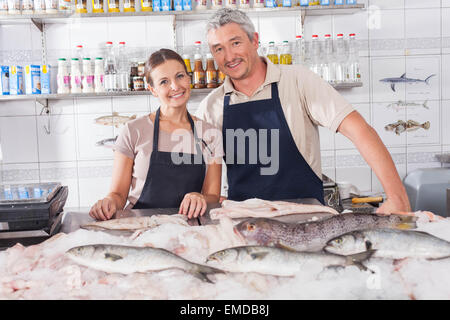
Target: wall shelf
43,97
39,19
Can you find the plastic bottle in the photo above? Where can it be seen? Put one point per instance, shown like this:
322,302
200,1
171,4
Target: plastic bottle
147,5
201,4
187,62
216,4
27,7
232,4
353,67
51,6
299,55
314,2
123,69
315,63
88,76
258,3
199,72
99,75
328,64
244,4
129,6
211,72
65,6
80,6
285,56
4,7
113,6
39,6
341,59
272,54
75,76
110,69
97,6
62,77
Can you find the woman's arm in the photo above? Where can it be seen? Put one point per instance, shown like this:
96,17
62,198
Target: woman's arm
120,185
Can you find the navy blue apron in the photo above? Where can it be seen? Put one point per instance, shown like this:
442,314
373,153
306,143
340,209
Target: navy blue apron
294,178
167,182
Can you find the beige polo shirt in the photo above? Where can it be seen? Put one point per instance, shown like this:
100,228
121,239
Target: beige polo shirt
307,101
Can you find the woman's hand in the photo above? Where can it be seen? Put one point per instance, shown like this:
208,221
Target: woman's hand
193,204
104,209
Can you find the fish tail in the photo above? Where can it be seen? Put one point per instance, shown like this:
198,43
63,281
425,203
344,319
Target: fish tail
201,272
358,259
426,125
406,223
428,79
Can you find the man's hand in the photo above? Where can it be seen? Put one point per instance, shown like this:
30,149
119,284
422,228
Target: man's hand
394,205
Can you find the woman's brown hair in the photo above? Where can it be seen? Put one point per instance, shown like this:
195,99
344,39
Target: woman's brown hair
159,57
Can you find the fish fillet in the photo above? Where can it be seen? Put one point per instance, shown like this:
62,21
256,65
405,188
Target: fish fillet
136,223
258,208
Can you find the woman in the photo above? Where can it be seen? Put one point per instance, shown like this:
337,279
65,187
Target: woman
162,172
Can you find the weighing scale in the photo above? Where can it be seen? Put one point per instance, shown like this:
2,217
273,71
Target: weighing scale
30,213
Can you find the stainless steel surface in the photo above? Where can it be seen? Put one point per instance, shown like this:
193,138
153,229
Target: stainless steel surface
72,220
448,202
206,219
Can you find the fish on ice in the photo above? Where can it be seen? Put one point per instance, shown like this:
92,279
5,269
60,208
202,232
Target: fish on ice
107,143
408,126
279,262
128,259
136,223
313,236
392,244
404,79
114,120
265,209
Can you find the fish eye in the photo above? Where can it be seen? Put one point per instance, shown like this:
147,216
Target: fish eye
221,253
250,227
338,240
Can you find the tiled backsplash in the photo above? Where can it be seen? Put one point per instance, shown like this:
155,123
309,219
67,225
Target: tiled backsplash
395,37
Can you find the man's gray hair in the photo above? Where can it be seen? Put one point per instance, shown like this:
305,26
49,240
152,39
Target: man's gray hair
227,15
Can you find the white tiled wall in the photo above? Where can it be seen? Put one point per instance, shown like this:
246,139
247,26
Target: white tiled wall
395,36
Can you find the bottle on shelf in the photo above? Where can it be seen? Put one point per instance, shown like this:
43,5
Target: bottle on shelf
65,6
123,69
80,6
146,5
315,54
129,6
97,6
258,3
285,56
51,6
211,72
244,4
299,55
199,72
201,4
99,75
216,4
187,62
328,61
39,6
341,59
353,67
272,54
88,76
27,7
75,76
113,6
62,77
3,7
13,6
110,69
232,4
314,2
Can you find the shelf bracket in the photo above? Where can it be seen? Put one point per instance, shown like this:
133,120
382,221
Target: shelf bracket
37,23
302,18
45,109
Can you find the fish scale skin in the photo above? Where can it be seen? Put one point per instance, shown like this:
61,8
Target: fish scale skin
311,236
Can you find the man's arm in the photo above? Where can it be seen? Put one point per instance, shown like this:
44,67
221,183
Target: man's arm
369,144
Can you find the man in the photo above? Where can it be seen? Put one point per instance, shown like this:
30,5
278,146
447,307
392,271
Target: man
290,102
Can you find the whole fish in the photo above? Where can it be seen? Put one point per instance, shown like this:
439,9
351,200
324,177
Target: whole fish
404,79
136,223
279,262
393,244
114,120
397,105
107,143
127,260
408,126
313,236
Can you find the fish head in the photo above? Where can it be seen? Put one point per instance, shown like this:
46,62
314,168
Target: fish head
347,244
223,256
256,231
